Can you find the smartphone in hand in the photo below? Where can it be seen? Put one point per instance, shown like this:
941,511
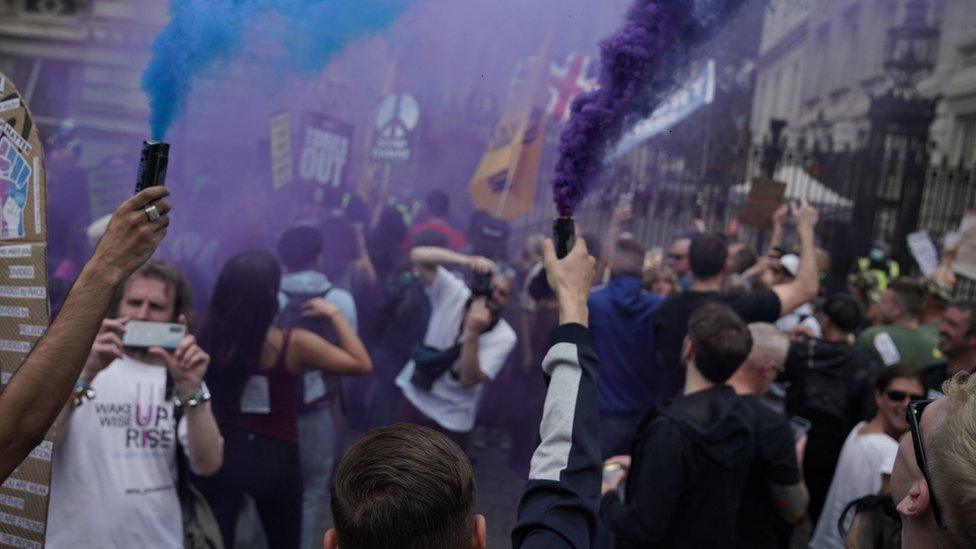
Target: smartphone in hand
143,335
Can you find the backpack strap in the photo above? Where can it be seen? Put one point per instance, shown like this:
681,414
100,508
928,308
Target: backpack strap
306,296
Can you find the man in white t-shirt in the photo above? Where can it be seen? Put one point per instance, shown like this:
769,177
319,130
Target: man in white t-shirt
868,455
803,319
469,325
114,472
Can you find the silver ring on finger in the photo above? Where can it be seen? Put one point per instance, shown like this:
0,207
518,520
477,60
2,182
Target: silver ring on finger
152,212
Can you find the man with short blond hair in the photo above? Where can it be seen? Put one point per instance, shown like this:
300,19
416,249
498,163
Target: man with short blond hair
932,483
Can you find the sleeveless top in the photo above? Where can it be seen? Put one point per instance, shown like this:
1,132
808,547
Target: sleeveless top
268,405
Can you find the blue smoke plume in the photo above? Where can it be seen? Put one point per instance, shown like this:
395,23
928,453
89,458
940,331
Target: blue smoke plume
203,34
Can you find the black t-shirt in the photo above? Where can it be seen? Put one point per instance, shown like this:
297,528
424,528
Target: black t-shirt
671,325
934,375
775,463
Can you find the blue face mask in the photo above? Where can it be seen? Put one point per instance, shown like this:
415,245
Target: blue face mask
876,255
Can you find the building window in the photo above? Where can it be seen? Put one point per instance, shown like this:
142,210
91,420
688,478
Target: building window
966,138
50,7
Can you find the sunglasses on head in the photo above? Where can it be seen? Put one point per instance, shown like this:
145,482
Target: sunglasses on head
899,396
914,418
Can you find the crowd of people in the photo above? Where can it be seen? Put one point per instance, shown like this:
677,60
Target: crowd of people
713,397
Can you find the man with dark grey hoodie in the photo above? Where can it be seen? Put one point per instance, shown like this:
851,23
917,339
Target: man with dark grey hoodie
691,458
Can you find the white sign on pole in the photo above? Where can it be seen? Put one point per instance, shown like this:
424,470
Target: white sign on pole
924,252
395,121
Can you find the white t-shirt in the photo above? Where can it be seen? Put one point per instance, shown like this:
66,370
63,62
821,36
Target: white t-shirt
113,482
863,459
449,404
805,315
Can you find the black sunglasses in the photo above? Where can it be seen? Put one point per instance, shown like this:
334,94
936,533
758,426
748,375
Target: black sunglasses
898,396
914,419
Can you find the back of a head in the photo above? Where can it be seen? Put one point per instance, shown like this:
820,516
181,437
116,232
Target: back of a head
404,486
707,255
627,258
383,242
438,203
721,341
952,460
911,293
743,259
299,247
243,306
768,344
844,312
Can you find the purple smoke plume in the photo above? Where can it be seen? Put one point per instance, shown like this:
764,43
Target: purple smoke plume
637,65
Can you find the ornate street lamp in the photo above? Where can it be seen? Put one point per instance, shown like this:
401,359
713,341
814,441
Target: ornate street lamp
898,141
773,147
911,48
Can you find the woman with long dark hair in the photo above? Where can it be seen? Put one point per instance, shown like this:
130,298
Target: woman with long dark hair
254,378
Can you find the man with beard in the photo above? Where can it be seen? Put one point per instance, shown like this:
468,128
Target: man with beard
957,340
900,340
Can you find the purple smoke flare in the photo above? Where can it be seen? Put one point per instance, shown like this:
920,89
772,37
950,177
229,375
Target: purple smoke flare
635,62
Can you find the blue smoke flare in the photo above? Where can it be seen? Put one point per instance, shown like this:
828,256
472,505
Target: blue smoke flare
203,34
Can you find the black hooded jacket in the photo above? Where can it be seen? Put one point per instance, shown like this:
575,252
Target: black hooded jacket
690,462
831,384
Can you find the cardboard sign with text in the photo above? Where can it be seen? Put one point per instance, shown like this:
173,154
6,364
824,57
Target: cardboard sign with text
765,195
24,311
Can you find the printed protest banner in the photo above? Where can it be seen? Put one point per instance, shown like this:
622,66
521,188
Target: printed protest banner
323,158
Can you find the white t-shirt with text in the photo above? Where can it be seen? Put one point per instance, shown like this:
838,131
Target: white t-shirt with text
449,404
113,482
863,459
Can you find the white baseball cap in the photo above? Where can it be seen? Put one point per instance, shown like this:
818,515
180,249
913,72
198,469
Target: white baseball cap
790,262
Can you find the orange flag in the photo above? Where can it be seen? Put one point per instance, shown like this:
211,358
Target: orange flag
504,182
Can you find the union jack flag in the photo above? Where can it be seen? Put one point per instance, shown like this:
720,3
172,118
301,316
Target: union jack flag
575,75
568,77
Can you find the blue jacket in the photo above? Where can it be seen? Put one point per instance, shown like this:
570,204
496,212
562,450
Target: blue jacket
620,322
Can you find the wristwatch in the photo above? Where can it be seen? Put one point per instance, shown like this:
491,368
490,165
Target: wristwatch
83,391
203,395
